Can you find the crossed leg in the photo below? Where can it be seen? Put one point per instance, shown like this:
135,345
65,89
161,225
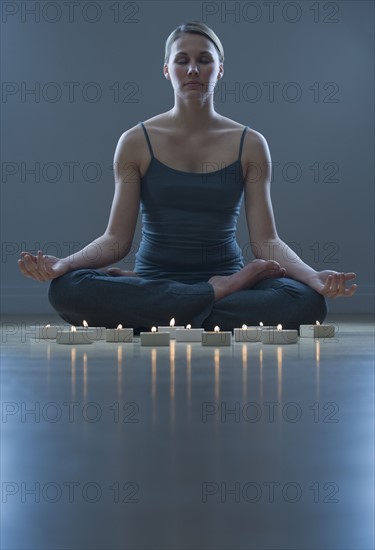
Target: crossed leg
108,299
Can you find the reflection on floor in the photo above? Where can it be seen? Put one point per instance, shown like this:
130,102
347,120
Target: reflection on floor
109,446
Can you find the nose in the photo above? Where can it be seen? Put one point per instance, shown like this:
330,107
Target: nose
193,70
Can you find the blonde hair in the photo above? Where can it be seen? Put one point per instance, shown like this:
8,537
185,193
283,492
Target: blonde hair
195,27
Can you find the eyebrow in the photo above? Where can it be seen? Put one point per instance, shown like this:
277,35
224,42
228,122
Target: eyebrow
184,53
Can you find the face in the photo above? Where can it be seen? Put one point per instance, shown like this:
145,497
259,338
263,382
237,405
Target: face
193,58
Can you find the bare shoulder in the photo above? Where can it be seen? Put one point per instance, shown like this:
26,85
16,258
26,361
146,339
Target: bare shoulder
255,147
158,122
130,139
133,139
130,149
253,137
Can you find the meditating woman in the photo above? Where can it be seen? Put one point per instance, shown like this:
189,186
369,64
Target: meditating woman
189,169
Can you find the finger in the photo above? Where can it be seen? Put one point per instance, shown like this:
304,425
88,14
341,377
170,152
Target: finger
334,287
338,285
27,272
340,290
23,269
31,268
327,284
30,256
350,291
347,277
41,266
329,287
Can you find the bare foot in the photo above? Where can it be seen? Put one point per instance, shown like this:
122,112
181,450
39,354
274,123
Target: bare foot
248,276
117,272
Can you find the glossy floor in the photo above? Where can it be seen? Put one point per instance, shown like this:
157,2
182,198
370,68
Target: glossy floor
108,446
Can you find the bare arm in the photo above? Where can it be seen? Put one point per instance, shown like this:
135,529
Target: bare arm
265,242
116,241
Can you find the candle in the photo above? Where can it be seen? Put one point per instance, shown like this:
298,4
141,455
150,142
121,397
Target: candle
279,336
216,338
248,334
73,336
189,334
94,333
154,338
317,331
46,332
119,334
171,329
274,327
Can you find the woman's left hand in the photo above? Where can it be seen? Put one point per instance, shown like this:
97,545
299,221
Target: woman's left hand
332,284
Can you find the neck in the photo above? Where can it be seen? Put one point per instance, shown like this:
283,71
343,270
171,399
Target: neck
194,115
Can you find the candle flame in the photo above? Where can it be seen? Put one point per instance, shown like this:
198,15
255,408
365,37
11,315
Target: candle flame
318,323
119,326
188,327
153,329
85,324
244,327
261,324
279,327
217,329
171,324
73,329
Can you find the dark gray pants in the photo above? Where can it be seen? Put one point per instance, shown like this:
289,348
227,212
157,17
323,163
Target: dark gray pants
104,300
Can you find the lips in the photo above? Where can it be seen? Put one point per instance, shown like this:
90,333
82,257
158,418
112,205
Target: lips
193,83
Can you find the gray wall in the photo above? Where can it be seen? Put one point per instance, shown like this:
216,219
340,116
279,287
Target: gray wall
321,140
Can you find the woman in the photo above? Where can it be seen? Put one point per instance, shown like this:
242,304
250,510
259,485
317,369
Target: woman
189,168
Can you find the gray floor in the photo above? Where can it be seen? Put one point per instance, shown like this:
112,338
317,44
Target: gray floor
111,446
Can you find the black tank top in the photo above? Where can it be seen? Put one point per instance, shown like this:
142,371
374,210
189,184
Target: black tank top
189,221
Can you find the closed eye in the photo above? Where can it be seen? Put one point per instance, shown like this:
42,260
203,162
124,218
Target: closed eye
183,61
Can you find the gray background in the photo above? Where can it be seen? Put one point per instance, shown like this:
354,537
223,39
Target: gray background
321,141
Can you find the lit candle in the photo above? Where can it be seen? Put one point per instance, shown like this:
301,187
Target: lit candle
171,329
119,334
279,336
216,338
73,336
46,332
94,333
248,334
317,331
154,338
189,334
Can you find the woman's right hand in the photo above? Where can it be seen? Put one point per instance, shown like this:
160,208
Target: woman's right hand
41,267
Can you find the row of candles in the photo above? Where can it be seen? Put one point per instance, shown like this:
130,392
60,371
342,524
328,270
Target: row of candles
162,335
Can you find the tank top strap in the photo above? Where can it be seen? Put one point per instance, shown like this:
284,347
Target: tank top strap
241,143
152,153
148,139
